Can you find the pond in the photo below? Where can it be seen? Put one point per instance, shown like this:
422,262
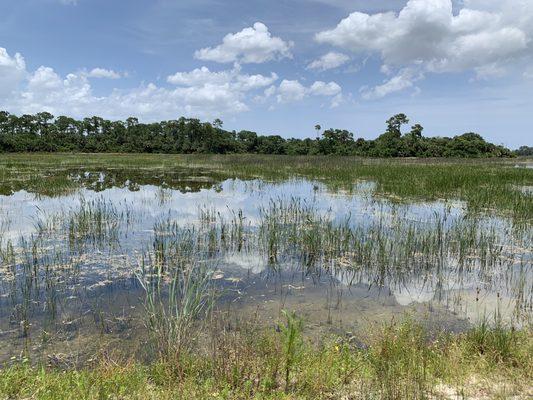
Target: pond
75,264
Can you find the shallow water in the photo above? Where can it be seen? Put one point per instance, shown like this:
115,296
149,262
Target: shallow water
59,292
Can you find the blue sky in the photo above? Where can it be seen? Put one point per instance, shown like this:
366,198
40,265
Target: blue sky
276,67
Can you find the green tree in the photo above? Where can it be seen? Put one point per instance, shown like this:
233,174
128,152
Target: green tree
394,124
337,141
318,128
389,144
43,132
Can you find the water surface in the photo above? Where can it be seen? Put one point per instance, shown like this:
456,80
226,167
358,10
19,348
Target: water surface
66,279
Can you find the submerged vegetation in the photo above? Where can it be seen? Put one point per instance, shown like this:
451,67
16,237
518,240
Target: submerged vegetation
158,276
45,133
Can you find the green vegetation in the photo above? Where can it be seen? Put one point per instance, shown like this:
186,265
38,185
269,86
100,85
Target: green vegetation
484,185
526,151
171,310
401,362
95,223
174,331
45,133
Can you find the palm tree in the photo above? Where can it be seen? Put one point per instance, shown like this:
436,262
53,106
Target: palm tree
318,128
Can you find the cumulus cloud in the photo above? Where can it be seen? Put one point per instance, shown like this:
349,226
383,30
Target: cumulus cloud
329,61
405,79
199,76
12,71
233,83
198,93
290,91
45,90
73,95
320,88
483,35
235,78
251,45
103,73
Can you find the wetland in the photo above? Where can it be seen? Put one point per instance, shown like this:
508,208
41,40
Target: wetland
265,276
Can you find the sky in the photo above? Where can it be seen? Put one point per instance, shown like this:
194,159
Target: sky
278,66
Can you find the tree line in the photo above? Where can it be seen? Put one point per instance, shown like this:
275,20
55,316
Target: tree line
43,132
524,151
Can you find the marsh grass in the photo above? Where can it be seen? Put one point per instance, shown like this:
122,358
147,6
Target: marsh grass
42,272
7,253
35,283
389,250
495,341
175,301
95,223
487,186
400,361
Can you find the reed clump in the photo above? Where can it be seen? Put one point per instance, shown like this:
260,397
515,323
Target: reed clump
178,290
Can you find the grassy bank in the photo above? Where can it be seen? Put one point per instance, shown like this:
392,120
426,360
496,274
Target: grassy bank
401,362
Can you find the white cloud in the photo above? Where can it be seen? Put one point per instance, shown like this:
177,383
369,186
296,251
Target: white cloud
44,79
12,71
270,91
69,2
403,80
290,91
103,73
251,82
251,45
230,86
320,88
199,76
46,90
237,80
329,61
427,32
198,93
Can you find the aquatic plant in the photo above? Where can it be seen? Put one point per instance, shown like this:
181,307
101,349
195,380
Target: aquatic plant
175,299
95,223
